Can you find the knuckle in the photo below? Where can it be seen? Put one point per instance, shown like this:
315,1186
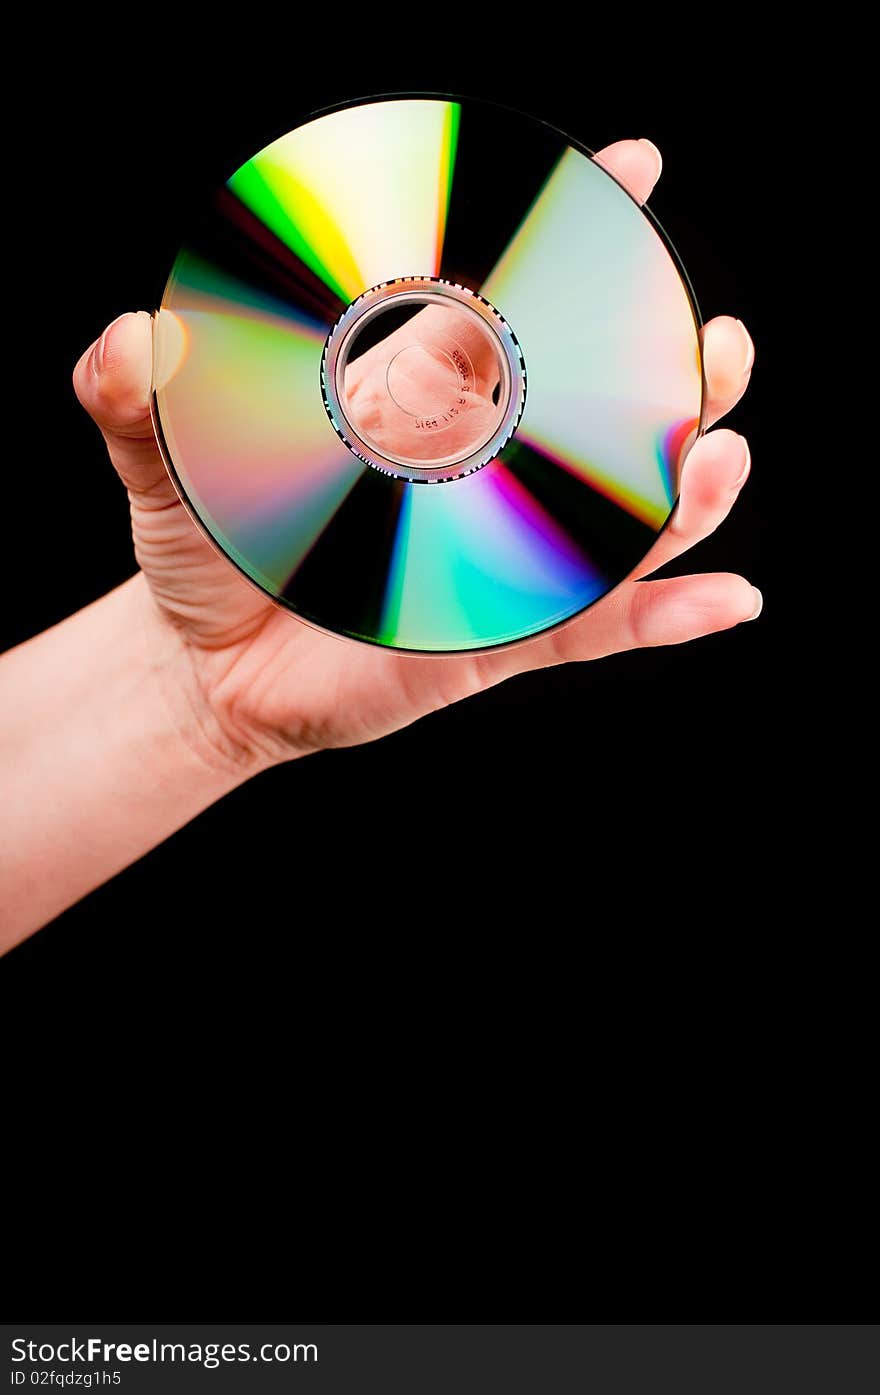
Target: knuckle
639,620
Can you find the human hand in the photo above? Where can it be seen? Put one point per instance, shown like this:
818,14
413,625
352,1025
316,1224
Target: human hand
258,687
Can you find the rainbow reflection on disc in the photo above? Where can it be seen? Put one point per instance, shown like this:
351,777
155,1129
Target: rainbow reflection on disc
427,375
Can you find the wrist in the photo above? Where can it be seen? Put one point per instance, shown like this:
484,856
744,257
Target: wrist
106,748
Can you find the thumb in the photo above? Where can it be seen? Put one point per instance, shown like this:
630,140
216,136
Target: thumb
113,381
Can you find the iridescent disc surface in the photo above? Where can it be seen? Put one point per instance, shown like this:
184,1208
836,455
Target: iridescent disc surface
427,374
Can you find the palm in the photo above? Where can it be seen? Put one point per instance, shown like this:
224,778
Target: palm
288,679
285,687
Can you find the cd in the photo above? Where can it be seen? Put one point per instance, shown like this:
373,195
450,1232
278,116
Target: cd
427,375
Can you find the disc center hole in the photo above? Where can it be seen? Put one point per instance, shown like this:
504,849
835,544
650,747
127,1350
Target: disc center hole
423,379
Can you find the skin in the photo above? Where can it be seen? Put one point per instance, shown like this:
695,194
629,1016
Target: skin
187,673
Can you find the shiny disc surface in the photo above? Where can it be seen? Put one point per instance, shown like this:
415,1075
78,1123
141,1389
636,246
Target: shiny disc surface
427,375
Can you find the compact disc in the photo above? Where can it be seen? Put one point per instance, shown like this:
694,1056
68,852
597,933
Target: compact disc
427,374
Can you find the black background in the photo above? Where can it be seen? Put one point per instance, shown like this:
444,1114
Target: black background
292,1056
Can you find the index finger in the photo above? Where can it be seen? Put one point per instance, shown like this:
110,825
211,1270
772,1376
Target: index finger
636,164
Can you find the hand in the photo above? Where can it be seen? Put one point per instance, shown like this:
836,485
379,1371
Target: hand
263,687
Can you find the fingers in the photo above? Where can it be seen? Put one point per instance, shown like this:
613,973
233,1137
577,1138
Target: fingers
644,614
728,351
113,381
713,475
728,356
685,608
636,164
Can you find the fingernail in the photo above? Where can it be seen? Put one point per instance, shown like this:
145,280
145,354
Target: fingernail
643,140
759,604
750,349
744,473
98,355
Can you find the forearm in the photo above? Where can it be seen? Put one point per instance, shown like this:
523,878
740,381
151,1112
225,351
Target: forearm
103,754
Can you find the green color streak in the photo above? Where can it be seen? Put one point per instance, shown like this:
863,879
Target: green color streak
453,121
257,194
